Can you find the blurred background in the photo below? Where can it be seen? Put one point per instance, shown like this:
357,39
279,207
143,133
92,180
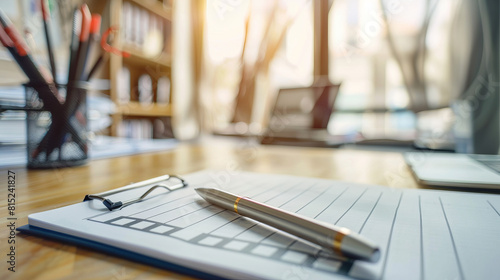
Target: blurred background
420,73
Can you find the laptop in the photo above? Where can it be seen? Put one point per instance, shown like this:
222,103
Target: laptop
300,117
455,170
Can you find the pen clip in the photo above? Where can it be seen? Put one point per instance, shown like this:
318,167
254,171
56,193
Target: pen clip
107,47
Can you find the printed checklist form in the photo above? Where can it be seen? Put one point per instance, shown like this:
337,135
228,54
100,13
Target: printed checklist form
422,234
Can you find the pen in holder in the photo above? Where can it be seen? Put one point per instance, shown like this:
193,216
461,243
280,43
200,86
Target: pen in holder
56,132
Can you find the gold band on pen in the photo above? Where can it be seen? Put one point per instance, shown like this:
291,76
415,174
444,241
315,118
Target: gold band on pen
236,204
337,240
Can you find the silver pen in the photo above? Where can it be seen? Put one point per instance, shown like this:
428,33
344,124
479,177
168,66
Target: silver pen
341,241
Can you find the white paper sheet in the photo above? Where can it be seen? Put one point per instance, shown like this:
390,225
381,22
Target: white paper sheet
423,234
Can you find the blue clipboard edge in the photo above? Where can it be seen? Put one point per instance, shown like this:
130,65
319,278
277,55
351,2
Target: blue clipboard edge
114,251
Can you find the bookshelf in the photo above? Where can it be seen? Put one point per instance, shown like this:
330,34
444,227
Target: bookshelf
136,19
136,109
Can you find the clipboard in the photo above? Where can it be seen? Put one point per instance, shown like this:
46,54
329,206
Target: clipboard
179,231
115,251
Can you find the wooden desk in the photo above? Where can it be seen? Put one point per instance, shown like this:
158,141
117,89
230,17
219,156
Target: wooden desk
36,191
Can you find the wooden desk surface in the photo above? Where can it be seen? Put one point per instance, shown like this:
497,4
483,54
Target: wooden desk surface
40,190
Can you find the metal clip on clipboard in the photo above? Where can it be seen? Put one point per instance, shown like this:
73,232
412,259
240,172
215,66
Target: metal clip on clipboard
120,204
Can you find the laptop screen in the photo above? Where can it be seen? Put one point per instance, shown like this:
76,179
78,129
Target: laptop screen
303,108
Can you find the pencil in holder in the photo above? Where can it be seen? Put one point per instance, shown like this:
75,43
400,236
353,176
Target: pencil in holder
57,134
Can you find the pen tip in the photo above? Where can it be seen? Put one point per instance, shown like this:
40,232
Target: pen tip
201,192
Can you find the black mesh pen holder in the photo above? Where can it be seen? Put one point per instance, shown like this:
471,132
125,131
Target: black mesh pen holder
56,123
